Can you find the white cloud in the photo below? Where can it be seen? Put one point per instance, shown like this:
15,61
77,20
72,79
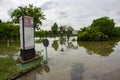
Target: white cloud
77,13
48,5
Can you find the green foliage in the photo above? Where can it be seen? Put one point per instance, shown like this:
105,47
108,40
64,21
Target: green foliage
104,24
8,68
30,10
96,37
91,30
40,34
62,28
73,39
38,41
49,33
85,36
8,30
83,29
69,31
54,29
115,32
0,21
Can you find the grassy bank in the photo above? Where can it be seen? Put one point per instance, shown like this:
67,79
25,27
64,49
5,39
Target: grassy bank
8,66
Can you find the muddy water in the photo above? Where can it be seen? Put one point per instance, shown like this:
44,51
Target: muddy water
78,61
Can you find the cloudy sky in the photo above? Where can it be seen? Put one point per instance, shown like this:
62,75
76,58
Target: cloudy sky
77,13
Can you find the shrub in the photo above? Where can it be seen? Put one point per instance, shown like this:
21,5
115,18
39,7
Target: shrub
84,36
96,36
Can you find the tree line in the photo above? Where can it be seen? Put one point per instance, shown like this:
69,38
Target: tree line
62,30
8,30
101,29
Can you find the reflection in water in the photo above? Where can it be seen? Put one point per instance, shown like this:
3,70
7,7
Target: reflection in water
45,65
114,75
55,45
64,43
38,41
62,40
70,45
100,48
32,75
43,68
9,48
46,68
77,72
77,65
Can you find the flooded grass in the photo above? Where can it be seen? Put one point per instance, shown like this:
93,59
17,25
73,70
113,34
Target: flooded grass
8,64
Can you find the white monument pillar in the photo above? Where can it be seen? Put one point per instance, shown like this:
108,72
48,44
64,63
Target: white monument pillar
27,44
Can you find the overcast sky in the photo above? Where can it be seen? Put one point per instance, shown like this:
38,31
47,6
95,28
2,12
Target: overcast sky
77,13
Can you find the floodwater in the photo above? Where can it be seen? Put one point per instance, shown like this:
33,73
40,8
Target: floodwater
77,61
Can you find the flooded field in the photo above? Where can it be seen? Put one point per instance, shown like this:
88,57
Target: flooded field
72,60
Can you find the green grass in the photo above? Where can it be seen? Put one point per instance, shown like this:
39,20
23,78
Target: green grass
8,65
7,68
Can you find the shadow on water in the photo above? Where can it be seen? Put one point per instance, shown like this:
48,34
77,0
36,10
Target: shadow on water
104,48
77,72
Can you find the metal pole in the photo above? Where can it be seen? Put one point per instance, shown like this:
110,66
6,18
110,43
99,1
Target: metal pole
46,53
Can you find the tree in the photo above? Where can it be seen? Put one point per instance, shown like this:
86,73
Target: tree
62,29
0,21
83,29
54,28
31,11
9,30
40,33
105,25
70,29
116,32
69,32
